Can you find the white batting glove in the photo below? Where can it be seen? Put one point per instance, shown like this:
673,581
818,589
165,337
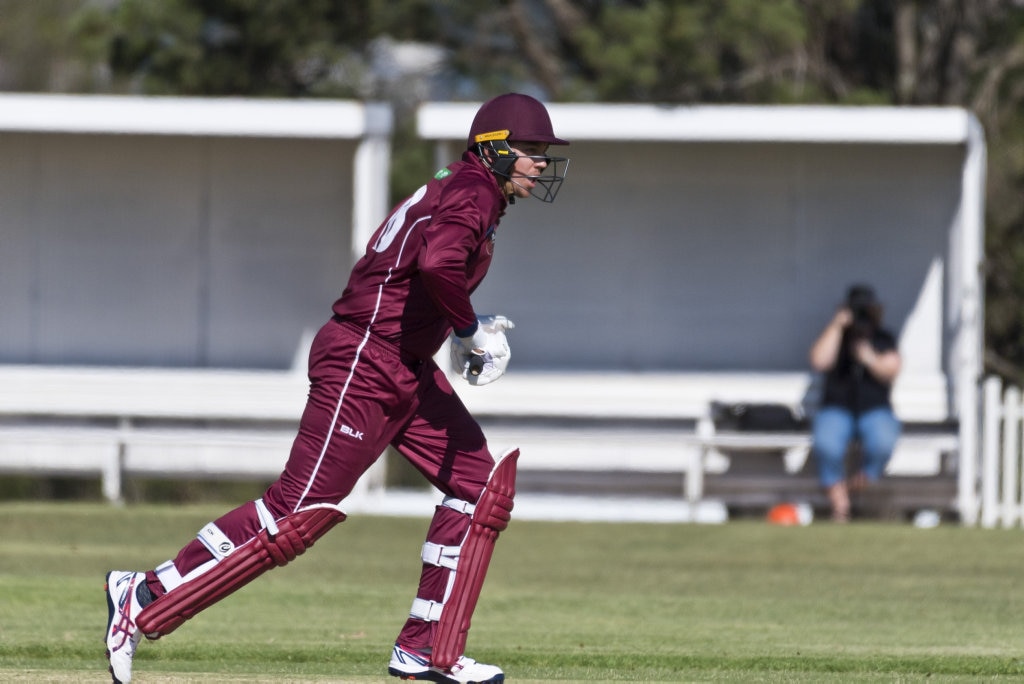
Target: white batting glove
482,358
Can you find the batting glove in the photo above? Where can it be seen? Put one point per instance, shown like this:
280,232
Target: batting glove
483,357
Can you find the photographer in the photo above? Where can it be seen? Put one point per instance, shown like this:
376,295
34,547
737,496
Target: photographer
860,361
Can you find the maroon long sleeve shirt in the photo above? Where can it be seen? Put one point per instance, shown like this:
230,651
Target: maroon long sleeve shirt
413,285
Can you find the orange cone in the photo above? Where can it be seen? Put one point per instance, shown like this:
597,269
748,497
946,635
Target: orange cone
786,514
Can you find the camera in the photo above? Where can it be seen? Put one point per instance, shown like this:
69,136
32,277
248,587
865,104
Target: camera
864,306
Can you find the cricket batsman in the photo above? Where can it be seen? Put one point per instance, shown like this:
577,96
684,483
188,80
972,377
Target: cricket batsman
373,383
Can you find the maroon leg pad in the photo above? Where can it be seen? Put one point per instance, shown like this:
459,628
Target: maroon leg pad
296,533
491,515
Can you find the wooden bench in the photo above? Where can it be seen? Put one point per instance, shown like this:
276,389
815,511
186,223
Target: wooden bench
753,470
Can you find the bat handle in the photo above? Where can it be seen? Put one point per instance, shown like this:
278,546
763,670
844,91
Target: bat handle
476,364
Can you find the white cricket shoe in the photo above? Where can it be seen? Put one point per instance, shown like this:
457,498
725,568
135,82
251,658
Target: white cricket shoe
123,606
409,664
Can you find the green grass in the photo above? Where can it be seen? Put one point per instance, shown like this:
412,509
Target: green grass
742,602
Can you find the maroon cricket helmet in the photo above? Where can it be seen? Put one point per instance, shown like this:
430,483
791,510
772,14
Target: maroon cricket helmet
524,118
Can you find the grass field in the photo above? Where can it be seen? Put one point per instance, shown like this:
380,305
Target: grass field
741,602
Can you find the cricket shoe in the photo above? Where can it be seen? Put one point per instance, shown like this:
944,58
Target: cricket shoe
410,664
126,593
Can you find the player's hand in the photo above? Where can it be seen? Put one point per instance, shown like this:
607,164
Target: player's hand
482,358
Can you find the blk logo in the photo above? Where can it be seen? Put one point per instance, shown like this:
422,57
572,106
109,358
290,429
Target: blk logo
351,432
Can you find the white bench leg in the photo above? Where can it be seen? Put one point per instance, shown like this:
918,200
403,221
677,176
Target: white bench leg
111,476
695,476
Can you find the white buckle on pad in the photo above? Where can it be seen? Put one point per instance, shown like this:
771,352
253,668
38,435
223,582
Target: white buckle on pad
441,555
422,609
215,541
266,519
168,575
458,505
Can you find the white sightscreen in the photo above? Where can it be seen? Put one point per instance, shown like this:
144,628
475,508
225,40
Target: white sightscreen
180,251
712,256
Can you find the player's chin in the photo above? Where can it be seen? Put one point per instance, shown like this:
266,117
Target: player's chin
524,187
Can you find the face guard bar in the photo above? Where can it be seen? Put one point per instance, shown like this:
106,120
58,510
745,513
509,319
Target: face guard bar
550,182
501,159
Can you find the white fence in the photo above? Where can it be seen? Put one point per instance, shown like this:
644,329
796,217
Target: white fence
1001,476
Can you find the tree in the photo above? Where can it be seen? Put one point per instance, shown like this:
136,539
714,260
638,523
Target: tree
37,52
229,47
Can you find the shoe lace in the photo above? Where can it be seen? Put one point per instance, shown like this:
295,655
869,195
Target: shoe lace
462,663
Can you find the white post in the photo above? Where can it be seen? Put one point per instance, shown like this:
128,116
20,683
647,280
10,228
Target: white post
1016,456
992,417
444,154
967,315
1011,445
695,469
371,169
113,466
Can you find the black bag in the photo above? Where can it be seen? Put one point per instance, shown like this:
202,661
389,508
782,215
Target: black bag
744,417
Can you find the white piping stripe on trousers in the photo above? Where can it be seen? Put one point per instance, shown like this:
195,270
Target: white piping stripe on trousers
334,422
352,370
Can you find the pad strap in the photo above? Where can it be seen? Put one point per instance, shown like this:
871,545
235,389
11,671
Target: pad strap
440,555
216,542
168,575
424,609
458,505
266,518
219,546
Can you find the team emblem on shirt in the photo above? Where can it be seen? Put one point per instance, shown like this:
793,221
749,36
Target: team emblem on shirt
492,236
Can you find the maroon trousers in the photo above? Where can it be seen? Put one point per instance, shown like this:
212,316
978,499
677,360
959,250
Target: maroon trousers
364,396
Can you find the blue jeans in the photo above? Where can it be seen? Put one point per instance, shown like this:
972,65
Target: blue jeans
833,429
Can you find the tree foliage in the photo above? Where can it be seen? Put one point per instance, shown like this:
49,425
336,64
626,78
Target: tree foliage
901,52
37,51
228,47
